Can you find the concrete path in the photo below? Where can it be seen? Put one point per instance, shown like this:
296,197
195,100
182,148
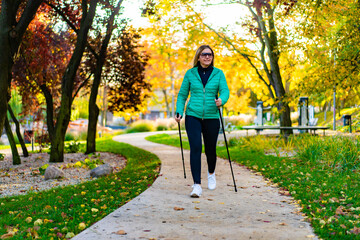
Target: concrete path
165,210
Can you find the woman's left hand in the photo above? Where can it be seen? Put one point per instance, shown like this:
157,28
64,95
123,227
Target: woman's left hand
218,102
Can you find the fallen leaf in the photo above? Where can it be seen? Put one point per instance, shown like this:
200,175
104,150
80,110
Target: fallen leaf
197,208
120,232
178,208
339,211
7,235
196,201
355,230
282,224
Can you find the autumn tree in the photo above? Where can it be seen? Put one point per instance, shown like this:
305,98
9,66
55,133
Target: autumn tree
67,84
171,40
263,26
125,73
97,55
330,39
15,16
38,79
100,58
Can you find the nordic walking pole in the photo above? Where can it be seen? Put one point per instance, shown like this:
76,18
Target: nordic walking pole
182,153
222,124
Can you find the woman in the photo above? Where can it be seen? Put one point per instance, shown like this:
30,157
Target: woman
203,82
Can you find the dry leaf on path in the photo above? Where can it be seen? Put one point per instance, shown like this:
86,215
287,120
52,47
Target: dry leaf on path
120,232
179,209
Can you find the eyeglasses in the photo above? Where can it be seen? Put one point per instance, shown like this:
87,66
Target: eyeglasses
206,54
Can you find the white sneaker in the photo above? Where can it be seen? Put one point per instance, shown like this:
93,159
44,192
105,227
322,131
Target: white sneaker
196,192
211,181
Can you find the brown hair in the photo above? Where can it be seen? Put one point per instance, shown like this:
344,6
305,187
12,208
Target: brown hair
199,51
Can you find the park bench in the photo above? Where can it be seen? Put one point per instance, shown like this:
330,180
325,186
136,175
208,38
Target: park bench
312,129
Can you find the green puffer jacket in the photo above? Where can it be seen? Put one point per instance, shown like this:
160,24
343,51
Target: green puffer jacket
202,99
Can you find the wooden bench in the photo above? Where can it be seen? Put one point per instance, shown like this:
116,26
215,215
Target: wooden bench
310,128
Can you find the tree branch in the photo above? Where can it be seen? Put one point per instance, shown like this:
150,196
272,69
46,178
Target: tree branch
81,85
246,56
25,19
71,25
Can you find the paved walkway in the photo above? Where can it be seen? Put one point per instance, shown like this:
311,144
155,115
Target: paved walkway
165,210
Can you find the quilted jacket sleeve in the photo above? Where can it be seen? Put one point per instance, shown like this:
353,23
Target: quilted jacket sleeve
223,89
183,95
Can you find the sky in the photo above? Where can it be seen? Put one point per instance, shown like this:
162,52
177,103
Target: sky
217,15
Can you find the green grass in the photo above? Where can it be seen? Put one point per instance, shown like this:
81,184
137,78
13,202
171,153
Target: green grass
64,211
323,177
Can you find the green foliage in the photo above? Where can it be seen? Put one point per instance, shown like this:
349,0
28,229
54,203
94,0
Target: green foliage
2,156
141,126
161,128
80,108
72,147
43,168
82,135
335,153
88,163
65,211
69,136
233,141
326,185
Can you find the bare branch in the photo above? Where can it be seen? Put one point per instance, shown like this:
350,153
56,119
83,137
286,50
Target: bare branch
81,85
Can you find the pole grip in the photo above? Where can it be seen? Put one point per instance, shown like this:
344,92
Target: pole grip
177,115
216,96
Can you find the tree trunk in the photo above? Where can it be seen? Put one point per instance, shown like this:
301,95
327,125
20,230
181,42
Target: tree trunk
14,151
18,133
11,33
93,119
93,108
5,70
49,110
271,42
166,102
67,86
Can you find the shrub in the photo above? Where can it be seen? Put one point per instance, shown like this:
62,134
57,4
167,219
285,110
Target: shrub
240,120
72,147
43,168
82,135
141,126
161,128
69,137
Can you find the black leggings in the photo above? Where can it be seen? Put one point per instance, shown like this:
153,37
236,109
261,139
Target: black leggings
210,131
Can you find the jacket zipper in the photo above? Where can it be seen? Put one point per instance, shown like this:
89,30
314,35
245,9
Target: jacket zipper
203,104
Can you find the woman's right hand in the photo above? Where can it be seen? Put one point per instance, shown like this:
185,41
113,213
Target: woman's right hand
178,117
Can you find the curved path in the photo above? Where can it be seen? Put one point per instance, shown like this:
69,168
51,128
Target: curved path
165,210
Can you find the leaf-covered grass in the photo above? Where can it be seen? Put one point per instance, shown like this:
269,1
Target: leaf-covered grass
61,212
323,176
